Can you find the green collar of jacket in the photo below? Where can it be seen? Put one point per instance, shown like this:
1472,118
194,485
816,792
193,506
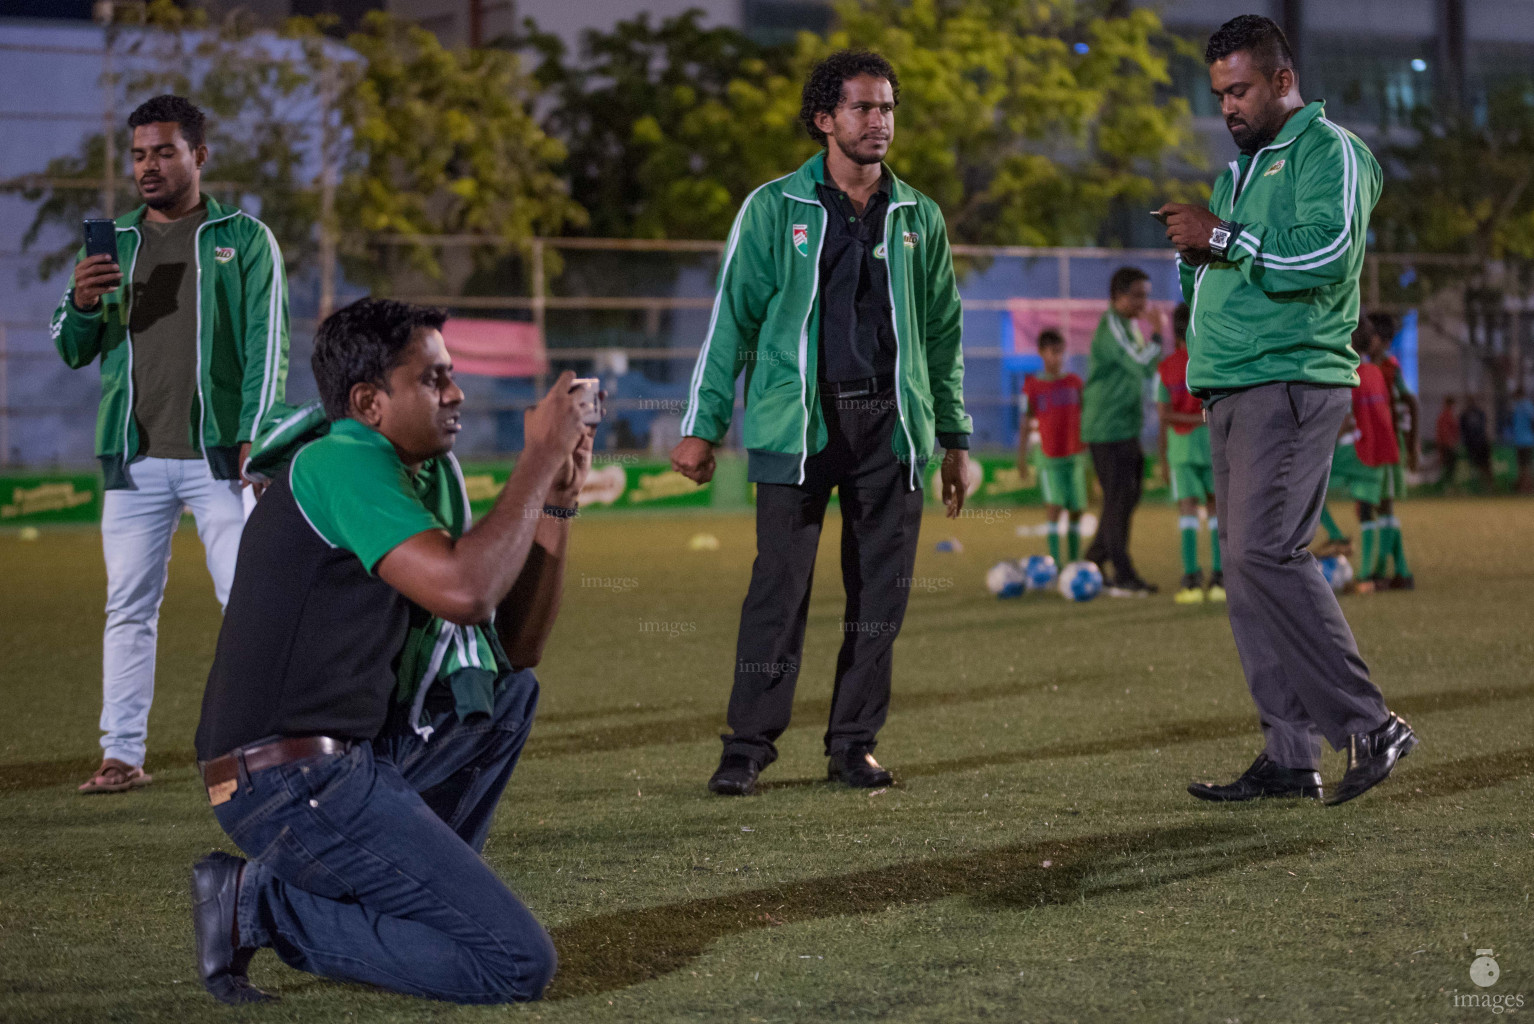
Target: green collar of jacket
801,184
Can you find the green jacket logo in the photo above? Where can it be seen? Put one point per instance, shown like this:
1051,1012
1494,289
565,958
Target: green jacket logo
911,238
802,239
1273,170
223,253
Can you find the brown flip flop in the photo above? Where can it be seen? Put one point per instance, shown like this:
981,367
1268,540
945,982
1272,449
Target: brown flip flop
116,776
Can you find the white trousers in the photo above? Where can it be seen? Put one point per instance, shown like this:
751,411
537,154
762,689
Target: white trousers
136,530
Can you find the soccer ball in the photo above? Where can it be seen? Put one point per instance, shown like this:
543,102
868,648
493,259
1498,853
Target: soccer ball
1337,570
1081,581
1039,572
1005,580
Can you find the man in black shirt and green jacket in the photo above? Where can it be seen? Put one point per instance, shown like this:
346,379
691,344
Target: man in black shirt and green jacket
837,300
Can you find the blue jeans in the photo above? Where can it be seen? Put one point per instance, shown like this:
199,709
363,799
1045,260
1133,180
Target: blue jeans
365,866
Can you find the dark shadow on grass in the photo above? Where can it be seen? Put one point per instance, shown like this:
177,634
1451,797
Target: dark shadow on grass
32,775
628,947
696,728
1199,730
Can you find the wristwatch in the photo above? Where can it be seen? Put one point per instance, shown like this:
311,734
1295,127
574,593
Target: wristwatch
1222,237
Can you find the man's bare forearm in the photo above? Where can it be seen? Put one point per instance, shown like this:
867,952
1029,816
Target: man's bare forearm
525,618
490,557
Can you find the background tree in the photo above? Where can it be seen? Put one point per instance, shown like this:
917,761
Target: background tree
1027,122
441,142
667,125
1465,185
416,140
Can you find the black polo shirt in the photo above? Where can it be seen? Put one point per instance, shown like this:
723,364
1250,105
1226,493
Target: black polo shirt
311,639
857,330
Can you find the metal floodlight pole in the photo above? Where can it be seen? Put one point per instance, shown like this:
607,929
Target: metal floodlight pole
105,13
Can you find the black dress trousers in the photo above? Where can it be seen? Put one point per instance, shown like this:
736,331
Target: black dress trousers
881,518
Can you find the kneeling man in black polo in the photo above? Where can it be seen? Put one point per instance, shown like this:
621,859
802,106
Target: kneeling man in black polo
362,820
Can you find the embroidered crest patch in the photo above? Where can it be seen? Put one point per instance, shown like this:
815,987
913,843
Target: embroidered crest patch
1273,170
223,253
911,238
802,239
881,251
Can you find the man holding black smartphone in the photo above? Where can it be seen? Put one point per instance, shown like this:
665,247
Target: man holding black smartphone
1270,271
187,312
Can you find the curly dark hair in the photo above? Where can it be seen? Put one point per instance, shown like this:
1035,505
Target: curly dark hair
823,89
172,108
361,343
1259,36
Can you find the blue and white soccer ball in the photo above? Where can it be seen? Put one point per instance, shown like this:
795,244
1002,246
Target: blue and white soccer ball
1081,581
1005,580
1039,572
1338,572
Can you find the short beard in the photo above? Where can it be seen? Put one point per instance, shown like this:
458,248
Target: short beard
166,201
855,157
1259,137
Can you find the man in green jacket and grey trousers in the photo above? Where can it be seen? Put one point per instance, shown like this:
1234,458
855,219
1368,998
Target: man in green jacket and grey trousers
189,321
1270,271
837,300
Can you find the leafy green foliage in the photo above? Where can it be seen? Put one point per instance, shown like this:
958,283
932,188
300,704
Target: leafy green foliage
668,125
442,143
1463,185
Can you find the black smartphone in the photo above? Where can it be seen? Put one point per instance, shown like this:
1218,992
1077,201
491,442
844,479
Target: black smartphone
1158,215
101,238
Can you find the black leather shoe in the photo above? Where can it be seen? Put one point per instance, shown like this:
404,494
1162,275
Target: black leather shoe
856,767
735,776
220,962
1131,586
1263,780
1372,756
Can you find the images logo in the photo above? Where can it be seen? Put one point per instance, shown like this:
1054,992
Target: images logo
1484,971
802,239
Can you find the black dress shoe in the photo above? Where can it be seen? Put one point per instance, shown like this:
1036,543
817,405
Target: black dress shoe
735,776
1263,780
856,767
1131,586
220,962
1372,756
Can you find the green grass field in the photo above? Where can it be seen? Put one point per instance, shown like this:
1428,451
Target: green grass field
1039,859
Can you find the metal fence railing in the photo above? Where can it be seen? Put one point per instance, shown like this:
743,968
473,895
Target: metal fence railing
634,312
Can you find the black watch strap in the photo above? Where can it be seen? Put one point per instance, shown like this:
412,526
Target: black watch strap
1223,238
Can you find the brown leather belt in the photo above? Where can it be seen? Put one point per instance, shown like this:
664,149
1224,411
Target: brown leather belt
222,774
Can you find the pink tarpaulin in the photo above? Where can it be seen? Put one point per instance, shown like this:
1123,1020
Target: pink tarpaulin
495,348
1075,318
